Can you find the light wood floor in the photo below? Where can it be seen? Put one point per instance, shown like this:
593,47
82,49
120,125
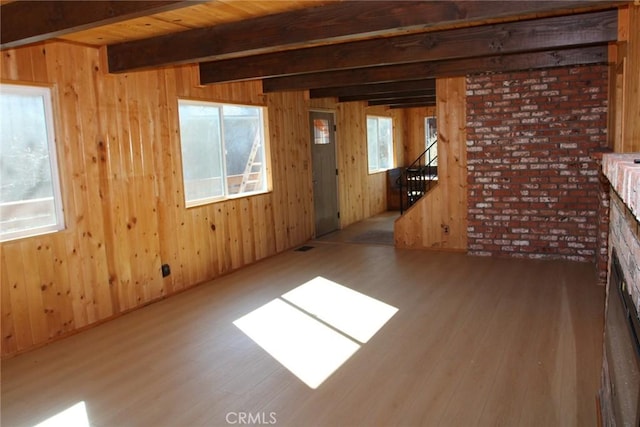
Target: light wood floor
476,341
371,230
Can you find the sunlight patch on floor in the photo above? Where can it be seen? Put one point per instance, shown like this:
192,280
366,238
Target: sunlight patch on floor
75,416
356,315
315,328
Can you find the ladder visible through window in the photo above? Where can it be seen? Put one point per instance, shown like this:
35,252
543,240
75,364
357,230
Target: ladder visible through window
252,176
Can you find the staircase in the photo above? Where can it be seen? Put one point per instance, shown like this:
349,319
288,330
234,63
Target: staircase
418,178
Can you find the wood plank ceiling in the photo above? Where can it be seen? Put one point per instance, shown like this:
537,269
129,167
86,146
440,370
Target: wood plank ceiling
382,52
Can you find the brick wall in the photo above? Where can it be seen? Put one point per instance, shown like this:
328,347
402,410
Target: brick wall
534,181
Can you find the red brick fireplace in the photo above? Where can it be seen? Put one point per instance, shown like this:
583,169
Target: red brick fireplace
620,382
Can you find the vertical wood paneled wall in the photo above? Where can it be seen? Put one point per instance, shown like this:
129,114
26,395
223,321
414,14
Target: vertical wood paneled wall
124,205
624,91
361,195
439,219
121,172
414,138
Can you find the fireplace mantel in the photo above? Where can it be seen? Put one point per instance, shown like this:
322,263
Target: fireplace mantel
624,176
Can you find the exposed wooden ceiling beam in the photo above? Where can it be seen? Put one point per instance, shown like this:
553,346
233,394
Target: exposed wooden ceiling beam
25,22
401,100
387,96
414,105
339,22
513,37
373,89
448,68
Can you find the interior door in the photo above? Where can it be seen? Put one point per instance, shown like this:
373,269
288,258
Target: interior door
325,182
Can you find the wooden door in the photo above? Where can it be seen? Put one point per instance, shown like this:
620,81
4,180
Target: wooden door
325,183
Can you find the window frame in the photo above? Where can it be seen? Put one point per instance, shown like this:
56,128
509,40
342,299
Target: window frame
48,96
266,172
391,148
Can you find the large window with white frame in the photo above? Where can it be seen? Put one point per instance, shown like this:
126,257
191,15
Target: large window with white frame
30,199
379,143
223,151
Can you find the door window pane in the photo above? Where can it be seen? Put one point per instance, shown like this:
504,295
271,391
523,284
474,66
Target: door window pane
321,131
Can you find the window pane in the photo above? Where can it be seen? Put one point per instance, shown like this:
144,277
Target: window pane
379,143
223,151
201,151
385,143
431,137
321,131
30,201
372,143
244,149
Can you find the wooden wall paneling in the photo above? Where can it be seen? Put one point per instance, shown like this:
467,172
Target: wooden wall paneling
118,140
13,272
248,233
264,226
235,229
132,231
414,143
48,285
438,220
168,167
276,128
624,110
120,189
301,161
201,218
452,109
290,128
147,87
77,293
631,112
62,283
9,343
210,236
23,68
376,194
259,227
288,125
39,71
9,66
33,286
198,247
222,237
70,69
352,160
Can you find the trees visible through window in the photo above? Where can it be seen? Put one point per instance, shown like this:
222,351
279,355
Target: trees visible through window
30,200
379,143
223,150
431,139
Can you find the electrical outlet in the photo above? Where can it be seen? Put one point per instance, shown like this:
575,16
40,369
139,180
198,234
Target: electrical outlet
166,270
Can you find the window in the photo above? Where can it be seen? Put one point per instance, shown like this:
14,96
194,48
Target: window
431,139
30,201
223,151
380,143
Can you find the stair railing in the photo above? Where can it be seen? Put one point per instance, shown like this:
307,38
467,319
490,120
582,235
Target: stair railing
418,178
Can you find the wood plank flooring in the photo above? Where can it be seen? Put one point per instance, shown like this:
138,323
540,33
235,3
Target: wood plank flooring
475,342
